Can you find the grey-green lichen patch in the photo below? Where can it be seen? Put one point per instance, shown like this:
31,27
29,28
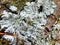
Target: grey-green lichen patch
28,23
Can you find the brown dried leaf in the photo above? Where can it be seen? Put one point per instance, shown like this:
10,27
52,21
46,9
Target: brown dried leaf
50,20
57,12
56,1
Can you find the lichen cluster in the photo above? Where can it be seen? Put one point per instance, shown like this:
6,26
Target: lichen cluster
29,23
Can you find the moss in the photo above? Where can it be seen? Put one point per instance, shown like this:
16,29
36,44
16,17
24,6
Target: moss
58,21
3,42
19,3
